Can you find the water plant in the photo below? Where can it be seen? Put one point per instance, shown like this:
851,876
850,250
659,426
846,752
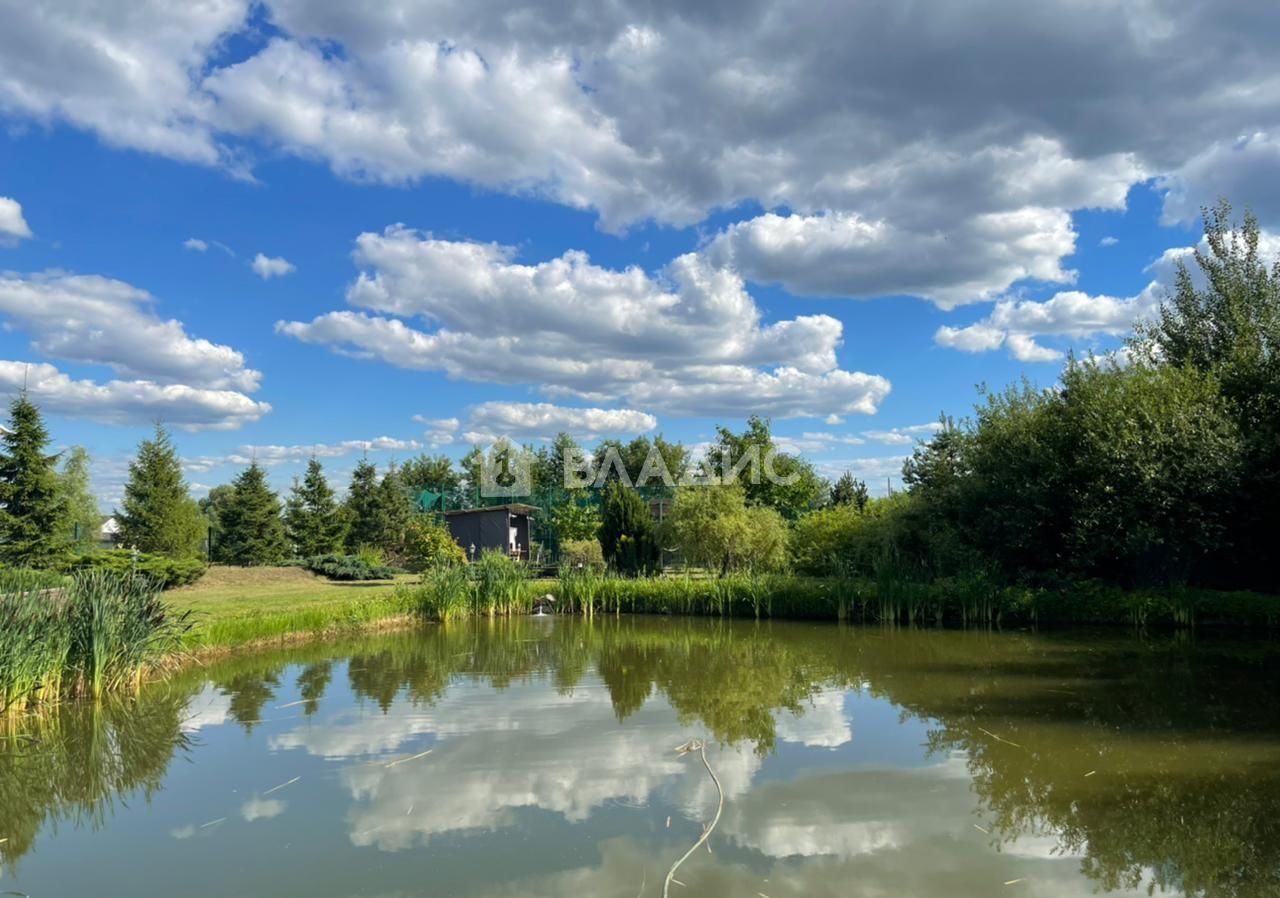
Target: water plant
99,632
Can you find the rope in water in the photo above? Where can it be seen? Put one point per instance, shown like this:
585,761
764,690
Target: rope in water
699,746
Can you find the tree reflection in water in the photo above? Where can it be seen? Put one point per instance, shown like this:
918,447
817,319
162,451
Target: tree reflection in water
1157,761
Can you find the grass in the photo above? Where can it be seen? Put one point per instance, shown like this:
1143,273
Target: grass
234,606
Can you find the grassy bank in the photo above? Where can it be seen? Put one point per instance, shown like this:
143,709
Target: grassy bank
235,606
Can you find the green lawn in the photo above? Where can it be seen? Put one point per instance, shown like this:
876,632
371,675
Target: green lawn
233,606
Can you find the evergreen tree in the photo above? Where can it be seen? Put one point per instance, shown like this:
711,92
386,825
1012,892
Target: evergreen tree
849,490
311,518
252,532
159,514
80,508
628,536
31,503
364,507
395,509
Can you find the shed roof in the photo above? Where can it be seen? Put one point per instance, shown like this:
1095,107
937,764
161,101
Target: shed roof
512,507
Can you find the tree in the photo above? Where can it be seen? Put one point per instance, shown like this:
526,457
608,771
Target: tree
159,515
627,533
32,509
1223,319
713,526
395,508
312,523
252,532
434,473
82,518
850,491
364,508
213,503
575,518
768,477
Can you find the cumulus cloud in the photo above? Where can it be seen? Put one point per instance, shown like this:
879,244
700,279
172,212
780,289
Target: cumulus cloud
1016,323
130,402
267,267
1074,315
13,227
642,111
101,321
269,455
845,255
690,340
543,420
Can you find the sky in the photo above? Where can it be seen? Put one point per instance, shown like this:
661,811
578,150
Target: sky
298,227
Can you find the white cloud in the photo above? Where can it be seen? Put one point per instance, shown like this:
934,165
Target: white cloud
642,112
1016,323
270,455
195,243
903,436
543,420
13,226
267,267
845,255
131,402
439,431
97,320
1108,241
876,472
688,341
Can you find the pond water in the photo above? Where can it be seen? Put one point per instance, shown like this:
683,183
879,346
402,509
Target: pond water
537,757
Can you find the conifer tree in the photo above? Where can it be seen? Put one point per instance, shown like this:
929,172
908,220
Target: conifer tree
31,507
628,536
395,509
159,515
364,507
252,532
311,518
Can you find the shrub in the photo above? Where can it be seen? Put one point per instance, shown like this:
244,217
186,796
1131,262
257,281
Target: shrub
582,552
366,566
165,572
429,545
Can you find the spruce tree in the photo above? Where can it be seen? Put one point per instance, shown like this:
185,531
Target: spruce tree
395,509
311,518
159,514
364,507
31,507
252,532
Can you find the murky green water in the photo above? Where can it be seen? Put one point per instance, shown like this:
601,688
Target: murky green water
853,762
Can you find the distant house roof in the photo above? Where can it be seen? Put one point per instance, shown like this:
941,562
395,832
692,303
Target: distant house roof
512,507
110,527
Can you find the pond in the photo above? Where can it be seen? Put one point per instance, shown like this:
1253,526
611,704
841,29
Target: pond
537,757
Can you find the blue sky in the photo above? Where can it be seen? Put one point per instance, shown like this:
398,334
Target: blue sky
635,222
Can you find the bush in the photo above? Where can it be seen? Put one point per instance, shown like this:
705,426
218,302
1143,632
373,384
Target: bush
582,552
365,566
165,572
429,545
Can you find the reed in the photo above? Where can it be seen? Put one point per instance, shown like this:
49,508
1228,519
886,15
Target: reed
99,632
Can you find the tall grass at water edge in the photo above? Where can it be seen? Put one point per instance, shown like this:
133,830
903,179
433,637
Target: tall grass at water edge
889,598
98,632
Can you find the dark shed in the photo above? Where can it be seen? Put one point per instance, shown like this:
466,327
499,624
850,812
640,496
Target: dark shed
501,527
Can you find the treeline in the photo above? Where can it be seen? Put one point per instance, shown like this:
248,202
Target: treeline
1158,466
